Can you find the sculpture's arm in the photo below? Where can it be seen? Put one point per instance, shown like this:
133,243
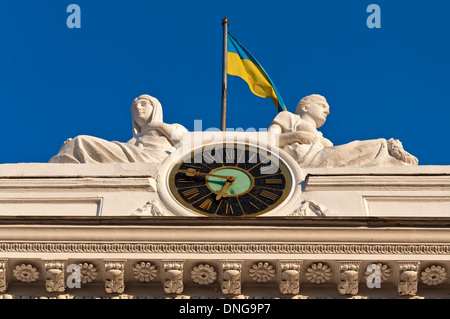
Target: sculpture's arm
284,139
172,132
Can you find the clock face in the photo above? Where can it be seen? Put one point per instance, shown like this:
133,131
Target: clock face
230,180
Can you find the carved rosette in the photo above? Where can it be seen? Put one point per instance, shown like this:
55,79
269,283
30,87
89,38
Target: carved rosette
203,274
348,277
54,275
290,276
433,275
408,277
173,276
318,273
114,276
26,273
262,271
3,282
231,277
145,271
88,272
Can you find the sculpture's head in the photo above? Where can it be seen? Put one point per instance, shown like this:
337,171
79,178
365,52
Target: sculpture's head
145,109
314,106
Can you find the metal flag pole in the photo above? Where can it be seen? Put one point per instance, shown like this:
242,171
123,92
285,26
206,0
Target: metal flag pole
225,23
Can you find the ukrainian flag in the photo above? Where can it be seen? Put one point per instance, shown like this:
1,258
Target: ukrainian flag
241,63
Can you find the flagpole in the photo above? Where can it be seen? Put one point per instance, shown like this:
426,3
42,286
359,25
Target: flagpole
225,23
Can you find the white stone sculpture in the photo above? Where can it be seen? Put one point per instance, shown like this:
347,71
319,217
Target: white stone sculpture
151,208
298,136
309,208
152,139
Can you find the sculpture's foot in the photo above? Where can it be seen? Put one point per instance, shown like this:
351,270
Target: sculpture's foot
396,150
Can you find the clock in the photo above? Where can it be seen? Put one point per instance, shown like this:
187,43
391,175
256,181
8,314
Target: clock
233,179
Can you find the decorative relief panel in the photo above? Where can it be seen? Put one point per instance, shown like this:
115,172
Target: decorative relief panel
348,277
54,275
3,269
88,272
288,282
290,276
318,273
231,277
144,271
114,277
26,273
173,276
433,275
408,277
262,271
203,274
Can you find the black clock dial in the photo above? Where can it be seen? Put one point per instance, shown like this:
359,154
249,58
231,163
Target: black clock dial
230,180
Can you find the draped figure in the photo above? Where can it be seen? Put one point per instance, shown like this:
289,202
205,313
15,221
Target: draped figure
299,137
153,140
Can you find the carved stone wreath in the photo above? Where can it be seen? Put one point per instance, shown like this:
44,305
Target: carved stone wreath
144,271
88,272
262,272
318,273
433,275
203,274
26,273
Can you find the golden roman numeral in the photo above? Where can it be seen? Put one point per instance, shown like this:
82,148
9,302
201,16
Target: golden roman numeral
185,180
273,181
191,193
229,209
254,207
206,205
268,195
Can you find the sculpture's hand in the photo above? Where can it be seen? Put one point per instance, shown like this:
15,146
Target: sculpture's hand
192,172
222,191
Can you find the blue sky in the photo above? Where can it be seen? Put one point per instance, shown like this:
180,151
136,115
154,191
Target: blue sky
57,82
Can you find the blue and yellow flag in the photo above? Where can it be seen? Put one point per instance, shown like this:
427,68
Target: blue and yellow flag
241,63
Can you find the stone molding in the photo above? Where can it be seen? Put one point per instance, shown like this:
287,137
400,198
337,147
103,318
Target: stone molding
235,248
